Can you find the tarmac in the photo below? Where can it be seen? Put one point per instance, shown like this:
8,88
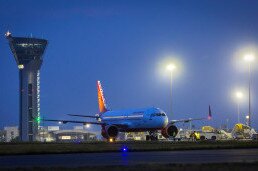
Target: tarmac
130,158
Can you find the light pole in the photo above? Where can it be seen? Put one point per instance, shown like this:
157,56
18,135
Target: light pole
247,119
239,96
249,58
227,124
171,67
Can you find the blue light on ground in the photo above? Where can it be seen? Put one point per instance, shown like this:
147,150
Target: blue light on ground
124,149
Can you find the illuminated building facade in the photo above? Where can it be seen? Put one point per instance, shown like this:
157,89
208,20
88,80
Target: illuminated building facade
28,54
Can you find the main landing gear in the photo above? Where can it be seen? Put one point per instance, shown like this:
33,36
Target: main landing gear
153,136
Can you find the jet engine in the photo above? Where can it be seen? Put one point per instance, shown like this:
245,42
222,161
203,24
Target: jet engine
169,131
110,131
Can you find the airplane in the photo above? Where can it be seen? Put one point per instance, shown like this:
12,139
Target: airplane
150,119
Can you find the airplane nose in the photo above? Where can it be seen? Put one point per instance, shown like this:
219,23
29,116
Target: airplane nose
165,121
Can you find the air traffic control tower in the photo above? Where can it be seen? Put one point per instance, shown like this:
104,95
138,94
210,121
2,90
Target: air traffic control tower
28,54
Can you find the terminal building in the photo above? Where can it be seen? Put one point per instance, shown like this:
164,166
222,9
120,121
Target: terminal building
28,54
11,133
55,134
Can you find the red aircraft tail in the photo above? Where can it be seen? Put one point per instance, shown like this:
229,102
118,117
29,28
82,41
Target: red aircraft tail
101,98
209,115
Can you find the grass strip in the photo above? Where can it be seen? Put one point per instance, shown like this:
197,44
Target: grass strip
98,146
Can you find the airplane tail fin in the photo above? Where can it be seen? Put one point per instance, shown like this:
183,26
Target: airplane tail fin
209,115
101,98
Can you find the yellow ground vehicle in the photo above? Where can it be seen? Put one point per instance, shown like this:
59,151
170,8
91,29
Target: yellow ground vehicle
241,131
209,133
208,129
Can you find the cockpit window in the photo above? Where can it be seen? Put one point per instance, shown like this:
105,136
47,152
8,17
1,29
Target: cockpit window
158,114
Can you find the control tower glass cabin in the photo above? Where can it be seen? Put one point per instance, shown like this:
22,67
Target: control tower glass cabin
28,54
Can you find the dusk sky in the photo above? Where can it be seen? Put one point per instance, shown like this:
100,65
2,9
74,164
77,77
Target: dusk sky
126,44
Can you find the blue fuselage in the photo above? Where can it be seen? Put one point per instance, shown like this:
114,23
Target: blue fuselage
136,119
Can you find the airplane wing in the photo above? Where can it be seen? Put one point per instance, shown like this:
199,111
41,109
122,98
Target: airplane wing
72,121
186,120
122,126
193,119
86,116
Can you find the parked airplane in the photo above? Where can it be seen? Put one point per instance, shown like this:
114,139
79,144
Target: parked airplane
149,119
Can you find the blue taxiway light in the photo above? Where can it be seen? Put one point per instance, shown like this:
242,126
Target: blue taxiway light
124,149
